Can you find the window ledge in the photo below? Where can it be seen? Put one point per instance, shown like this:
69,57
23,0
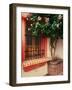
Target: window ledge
36,61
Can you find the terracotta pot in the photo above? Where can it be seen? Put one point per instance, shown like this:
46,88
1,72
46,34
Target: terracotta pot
55,67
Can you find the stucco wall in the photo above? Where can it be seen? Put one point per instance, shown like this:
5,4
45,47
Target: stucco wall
59,49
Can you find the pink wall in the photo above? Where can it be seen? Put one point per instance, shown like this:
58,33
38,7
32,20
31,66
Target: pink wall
43,44
23,37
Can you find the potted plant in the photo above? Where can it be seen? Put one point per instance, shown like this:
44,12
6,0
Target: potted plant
49,25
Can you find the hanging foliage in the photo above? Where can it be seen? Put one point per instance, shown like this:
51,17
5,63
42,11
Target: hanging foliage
49,25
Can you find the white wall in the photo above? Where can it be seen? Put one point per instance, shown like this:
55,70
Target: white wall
4,45
59,49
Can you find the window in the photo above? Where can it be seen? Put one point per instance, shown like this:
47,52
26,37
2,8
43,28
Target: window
33,44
